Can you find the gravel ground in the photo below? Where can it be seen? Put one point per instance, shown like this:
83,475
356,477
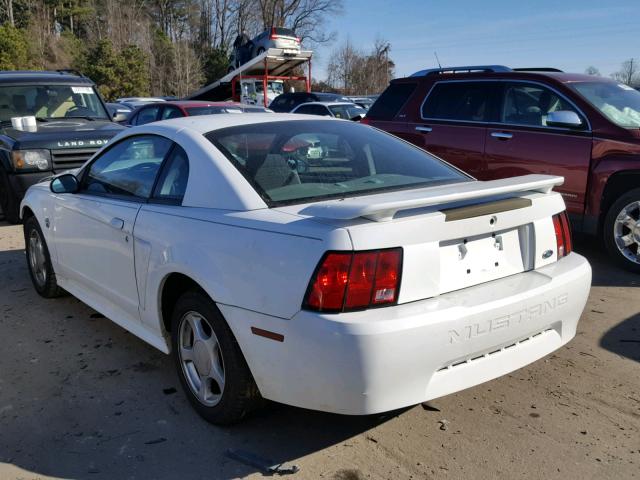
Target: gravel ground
80,398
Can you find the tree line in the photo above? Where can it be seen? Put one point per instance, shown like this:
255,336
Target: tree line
147,47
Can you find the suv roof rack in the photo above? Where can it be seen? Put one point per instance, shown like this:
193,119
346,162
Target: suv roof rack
537,69
465,69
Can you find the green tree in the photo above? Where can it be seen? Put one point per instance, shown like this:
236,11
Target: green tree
117,74
133,71
215,62
14,49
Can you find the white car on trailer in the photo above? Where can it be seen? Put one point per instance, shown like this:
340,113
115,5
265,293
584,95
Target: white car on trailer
359,277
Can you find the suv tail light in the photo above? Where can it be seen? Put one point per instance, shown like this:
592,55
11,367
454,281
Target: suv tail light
365,121
273,35
345,281
562,228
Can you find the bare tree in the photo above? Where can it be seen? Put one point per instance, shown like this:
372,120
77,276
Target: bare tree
355,72
629,74
591,70
306,17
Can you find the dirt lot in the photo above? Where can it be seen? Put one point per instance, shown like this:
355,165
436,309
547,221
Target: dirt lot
81,398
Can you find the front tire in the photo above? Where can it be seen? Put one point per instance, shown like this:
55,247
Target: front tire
39,261
621,231
8,199
211,367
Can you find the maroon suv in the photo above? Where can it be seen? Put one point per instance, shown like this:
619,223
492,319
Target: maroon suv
495,122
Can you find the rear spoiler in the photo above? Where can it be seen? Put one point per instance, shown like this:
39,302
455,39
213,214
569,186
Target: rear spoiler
382,207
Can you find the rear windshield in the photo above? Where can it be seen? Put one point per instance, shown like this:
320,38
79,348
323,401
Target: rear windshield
619,102
346,112
387,106
302,161
285,32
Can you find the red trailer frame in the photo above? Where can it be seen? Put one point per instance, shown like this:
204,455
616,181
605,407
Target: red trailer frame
265,79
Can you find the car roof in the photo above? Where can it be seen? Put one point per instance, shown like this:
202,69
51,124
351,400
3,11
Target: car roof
561,77
201,103
206,123
43,77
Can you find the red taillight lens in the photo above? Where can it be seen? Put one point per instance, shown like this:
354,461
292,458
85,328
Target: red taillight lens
365,120
355,280
387,277
562,228
273,35
327,290
361,277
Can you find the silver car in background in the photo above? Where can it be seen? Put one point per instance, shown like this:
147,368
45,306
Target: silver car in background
277,37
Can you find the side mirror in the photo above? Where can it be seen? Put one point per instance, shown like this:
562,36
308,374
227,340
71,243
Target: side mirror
119,117
66,183
564,119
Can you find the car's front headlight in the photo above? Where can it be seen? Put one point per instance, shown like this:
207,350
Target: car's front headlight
31,159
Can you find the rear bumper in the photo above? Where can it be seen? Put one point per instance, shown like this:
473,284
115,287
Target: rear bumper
383,359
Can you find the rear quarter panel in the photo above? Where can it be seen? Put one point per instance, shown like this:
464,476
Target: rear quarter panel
260,261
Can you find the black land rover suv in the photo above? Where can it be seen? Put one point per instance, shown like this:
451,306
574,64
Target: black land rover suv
71,123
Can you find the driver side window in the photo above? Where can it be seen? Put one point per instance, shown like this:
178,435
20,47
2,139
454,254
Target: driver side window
127,169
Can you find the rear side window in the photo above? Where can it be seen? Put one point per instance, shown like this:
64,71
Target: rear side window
460,101
172,182
391,101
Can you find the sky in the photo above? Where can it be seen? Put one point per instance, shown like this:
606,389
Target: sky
570,35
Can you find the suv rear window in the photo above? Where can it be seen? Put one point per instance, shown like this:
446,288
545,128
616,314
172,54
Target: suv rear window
464,101
285,32
391,101
308,160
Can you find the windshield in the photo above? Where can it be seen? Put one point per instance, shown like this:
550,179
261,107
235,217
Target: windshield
193,111
619,102
301,161
50,101
347,111
273,87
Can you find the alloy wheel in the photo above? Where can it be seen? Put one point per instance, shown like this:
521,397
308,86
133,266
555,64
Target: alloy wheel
37,258
201,358
626,232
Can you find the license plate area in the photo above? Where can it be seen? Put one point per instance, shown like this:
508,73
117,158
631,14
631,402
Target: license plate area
465,262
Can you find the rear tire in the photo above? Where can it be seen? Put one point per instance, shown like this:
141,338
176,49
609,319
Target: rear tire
211,367
621,231
39,261
8,199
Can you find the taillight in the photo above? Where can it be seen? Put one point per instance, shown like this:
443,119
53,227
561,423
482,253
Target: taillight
273,35
563,234
365,121
347,281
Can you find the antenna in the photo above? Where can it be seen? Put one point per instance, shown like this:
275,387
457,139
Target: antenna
437,59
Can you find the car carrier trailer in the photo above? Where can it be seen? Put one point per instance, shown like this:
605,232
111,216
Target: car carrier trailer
255,80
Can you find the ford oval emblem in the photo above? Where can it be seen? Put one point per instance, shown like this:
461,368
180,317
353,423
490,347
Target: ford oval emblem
547,254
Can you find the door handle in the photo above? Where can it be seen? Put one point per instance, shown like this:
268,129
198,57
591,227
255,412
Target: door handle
424,129
502,135
117,223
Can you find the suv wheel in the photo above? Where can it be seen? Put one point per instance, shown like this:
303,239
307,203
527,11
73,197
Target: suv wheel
39,261
621,231
8,200
211,367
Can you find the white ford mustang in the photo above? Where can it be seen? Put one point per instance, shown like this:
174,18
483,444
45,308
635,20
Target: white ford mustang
315,262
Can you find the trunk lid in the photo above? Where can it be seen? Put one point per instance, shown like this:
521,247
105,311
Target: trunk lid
453,236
